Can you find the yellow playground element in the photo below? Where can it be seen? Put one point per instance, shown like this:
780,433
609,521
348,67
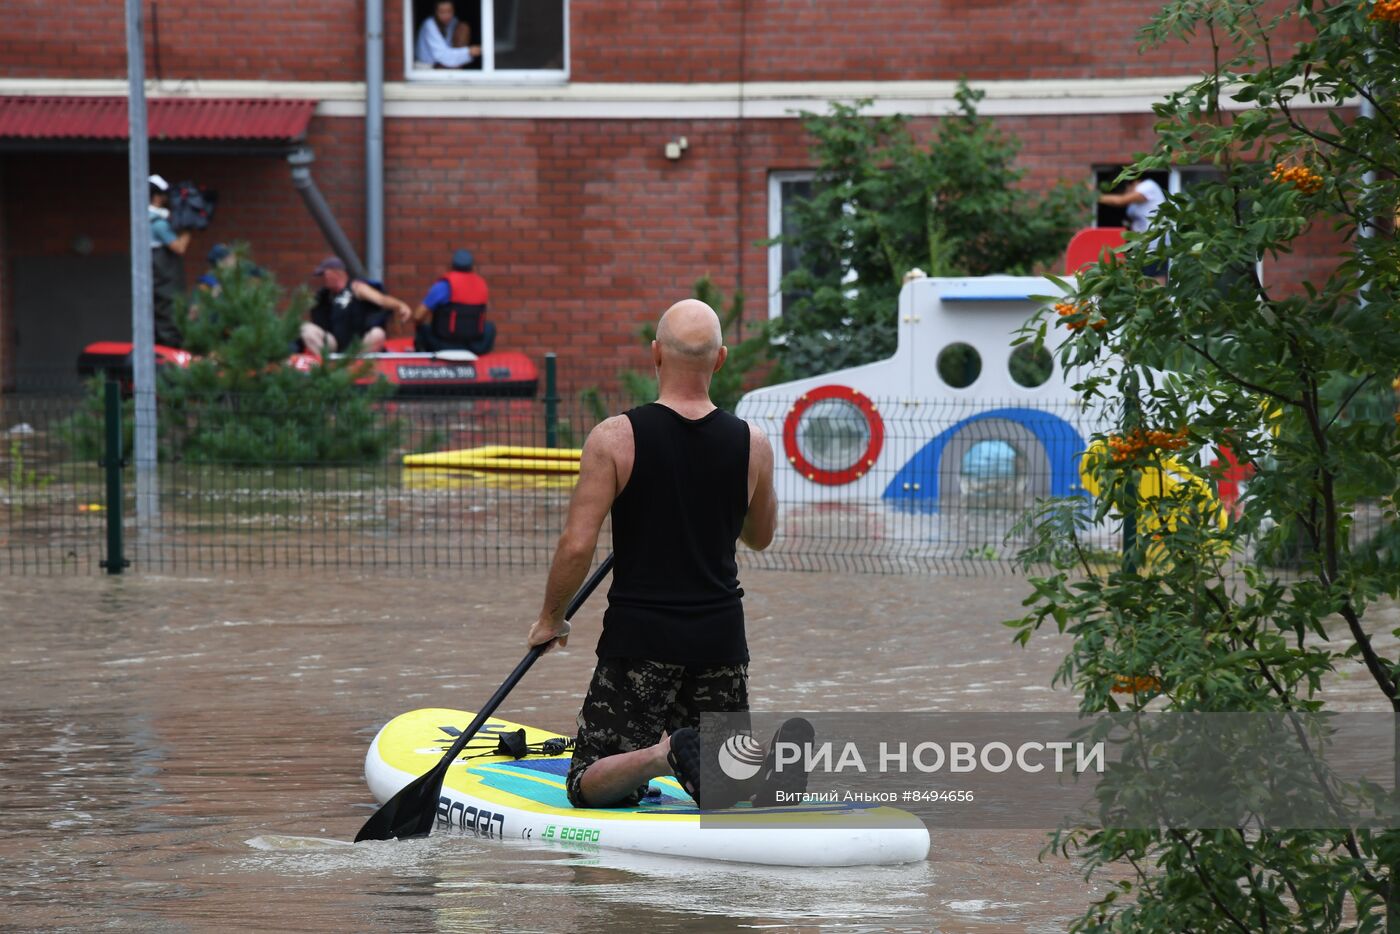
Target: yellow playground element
440,479
1169,495
501,458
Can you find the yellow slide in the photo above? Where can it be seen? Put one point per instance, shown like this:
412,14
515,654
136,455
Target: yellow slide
503,458
1169,496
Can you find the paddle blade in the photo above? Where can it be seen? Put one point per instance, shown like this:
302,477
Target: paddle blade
413,811
410,813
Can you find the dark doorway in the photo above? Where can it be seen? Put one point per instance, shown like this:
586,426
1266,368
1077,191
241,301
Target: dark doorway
61,304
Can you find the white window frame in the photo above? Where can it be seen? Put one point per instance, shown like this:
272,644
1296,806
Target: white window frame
775,228
487,73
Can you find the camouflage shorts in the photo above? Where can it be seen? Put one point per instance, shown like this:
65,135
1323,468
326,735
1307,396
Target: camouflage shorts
631,701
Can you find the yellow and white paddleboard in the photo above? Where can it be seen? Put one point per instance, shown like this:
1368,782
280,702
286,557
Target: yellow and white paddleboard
524,799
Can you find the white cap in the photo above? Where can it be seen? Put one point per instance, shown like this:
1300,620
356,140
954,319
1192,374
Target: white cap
158,182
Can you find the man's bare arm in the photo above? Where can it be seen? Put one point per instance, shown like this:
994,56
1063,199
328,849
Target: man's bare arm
593,497
1124,199
367,292
762,519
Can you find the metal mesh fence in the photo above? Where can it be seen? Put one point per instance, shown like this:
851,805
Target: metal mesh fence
901,486
51,495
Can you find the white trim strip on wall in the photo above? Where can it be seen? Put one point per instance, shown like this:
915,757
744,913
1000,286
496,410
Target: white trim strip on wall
726,101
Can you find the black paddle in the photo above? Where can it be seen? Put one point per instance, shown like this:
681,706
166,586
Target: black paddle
413,811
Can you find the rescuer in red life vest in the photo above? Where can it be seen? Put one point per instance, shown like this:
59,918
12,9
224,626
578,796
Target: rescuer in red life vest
452,315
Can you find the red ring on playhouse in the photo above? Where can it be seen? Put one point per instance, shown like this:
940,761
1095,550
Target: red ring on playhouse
862,465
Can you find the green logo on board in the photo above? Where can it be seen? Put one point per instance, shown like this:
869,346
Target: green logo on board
570,834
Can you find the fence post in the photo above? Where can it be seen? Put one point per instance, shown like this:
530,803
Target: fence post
551,401
1132,410
113,462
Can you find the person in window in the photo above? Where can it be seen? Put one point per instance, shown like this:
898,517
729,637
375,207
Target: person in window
168,248
452,315
1141,199
444,41
347,310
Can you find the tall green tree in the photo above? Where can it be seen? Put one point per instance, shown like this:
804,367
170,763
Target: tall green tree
1293,374
884,204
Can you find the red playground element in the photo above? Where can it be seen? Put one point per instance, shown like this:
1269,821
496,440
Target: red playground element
1089,245
447,373
1230,479
830,475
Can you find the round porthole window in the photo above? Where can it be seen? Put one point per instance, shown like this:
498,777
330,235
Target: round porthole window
1031,365
959,365
833,435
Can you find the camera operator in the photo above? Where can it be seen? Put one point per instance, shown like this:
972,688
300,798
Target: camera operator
167,263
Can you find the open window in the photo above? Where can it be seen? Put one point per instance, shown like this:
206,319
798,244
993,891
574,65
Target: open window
517,40
784,189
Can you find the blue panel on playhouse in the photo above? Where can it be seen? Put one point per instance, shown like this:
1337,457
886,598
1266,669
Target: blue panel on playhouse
983,298
917,480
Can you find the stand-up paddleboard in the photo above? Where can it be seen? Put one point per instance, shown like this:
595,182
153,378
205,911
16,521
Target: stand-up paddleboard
499,796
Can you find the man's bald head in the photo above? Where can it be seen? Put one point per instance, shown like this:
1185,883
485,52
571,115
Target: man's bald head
689,335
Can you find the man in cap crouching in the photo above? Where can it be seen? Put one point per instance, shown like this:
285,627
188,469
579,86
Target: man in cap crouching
346,310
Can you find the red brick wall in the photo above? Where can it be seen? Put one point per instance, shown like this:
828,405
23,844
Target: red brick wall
619,40
583,229
256,202
269,40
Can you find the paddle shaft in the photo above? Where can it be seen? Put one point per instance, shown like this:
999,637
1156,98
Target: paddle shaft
419,798
514,677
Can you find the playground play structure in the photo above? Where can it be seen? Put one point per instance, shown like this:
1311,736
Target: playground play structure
1006,414
958,417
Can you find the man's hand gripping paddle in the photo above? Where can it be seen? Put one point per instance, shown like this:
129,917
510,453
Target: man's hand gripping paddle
413,811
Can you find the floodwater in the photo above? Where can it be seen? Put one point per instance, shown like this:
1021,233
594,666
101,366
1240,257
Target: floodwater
186,755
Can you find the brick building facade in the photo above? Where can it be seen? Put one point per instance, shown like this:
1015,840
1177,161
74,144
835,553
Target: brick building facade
554,173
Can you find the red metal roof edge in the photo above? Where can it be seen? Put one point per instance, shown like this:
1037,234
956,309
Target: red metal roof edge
50,117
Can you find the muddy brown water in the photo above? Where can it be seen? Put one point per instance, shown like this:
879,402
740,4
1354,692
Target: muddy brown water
186,755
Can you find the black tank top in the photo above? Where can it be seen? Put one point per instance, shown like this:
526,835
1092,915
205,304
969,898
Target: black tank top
675,594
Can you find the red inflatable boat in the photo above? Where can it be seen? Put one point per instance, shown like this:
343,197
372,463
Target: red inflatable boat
447,373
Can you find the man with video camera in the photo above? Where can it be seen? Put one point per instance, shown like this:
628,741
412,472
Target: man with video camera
175,212
167,263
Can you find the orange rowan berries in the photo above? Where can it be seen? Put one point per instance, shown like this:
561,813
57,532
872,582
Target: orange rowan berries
1385,11
1126,446
1299,176
1133,684
1077,316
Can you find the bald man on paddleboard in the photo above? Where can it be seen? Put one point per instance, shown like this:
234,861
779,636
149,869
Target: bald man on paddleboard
684,481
